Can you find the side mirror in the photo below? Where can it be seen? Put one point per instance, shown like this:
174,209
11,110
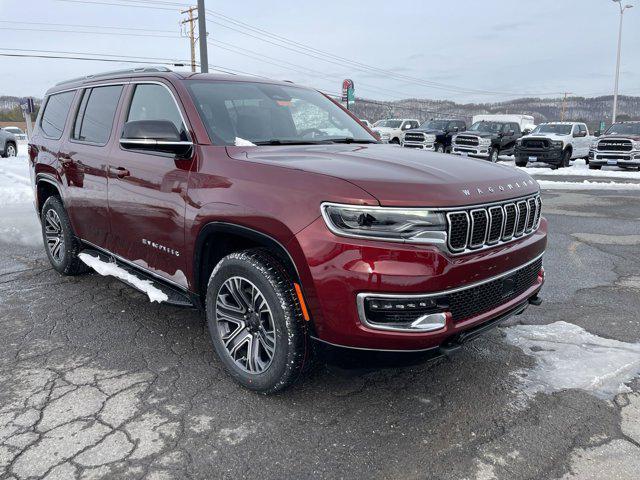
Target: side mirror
596,133
154,136
583,133
455,129
511,133
526,131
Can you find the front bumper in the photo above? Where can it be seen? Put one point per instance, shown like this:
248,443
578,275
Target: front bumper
552,155
342,270
630,159
479,151
420,145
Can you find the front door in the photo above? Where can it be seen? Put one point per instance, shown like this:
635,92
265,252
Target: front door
147,190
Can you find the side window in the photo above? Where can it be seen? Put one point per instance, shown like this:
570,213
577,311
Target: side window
55,114
583,128
155,102
515,127
576,129
95,115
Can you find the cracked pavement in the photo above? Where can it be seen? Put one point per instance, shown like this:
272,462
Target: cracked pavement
96,382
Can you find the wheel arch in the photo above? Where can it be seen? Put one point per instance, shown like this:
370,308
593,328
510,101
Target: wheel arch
218,239
46,186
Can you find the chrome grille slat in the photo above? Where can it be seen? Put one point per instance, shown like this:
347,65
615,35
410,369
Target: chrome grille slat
482,226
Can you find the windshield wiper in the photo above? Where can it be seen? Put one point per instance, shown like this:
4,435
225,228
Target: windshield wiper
349,140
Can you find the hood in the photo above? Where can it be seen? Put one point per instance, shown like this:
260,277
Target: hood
558,136
400,176
427,130
626,137
384,129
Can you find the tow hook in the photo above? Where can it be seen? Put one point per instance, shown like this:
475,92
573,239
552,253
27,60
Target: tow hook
535,300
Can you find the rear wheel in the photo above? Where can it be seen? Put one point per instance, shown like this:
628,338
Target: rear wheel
255,321
61,244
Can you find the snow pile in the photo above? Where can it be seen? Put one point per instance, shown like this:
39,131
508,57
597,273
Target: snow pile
111,269
581,169
568,356
587,185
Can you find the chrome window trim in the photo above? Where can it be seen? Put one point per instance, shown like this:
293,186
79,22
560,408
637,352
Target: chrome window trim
361,297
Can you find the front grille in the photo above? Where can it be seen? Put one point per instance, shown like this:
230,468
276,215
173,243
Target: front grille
413,137
485,226
475,301
535,143
467,140
614,145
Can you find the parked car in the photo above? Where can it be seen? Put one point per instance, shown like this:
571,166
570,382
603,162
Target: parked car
366,122
392,129
8,144
226,193
17,132
434,135
619,146
555,143
487,139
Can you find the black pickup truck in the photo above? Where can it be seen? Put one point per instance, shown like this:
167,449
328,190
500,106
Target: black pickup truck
434,135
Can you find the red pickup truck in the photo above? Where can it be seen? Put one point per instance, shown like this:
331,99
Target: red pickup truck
278,213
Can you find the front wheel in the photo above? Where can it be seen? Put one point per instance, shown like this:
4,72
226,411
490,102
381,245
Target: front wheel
494,155
521,163
61,244
439,148
11,150
566,158
255,321
594,167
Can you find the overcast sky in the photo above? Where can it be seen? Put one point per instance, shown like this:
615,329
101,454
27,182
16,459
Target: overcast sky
474,50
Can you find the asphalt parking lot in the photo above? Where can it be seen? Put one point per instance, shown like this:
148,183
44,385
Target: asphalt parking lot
95,382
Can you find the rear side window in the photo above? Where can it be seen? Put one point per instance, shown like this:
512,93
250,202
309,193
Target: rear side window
95,115
55,114
155,102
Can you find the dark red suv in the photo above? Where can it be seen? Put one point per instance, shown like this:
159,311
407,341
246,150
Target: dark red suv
276,211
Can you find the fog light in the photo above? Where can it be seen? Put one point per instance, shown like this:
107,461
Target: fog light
404,314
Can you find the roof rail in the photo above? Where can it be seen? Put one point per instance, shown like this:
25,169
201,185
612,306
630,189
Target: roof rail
117,72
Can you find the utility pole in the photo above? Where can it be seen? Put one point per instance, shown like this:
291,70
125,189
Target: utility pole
202,34
564,105
192,34
615,89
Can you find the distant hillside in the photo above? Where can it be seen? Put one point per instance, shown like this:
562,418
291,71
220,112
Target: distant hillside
590,110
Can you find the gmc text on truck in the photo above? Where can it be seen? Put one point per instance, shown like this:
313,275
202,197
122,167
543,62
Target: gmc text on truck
275,211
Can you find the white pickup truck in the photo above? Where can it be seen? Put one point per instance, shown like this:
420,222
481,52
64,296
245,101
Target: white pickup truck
392,130
555,143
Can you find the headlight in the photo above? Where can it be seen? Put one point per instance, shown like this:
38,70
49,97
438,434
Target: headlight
594,145
485,142
410,224
557,143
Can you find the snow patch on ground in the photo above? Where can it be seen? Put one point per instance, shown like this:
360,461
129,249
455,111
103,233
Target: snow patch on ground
587,185
111,269
567,356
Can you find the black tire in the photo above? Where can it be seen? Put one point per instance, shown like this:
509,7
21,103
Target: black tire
63,253
494,155
595,167
283,322
440,148
395,141
521,163
566,159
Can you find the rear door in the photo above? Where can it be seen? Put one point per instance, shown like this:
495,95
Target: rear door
85,159
147,189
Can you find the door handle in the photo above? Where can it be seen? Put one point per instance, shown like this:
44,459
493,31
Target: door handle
119,172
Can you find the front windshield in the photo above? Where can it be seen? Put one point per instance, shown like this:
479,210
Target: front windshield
263,113
487,127
434,125
556,128
624,129
389,123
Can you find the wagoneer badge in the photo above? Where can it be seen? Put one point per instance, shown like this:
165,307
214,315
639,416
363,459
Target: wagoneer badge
500,188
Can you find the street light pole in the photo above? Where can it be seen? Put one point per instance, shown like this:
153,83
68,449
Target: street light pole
202,38
615,89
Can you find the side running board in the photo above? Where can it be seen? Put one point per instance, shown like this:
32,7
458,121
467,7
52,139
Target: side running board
176,296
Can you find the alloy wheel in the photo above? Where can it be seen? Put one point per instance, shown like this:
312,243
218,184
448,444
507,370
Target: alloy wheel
245,325
494,156
54,235
11,151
